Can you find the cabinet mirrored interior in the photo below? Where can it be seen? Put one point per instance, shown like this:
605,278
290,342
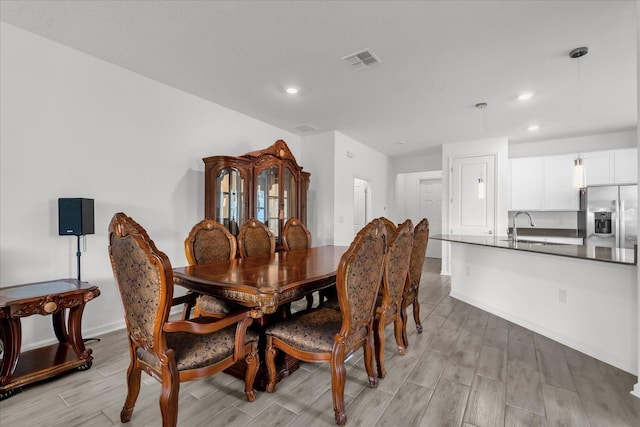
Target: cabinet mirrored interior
268,185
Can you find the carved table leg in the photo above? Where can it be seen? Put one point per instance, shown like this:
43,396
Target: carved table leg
59,327
12,340
75,336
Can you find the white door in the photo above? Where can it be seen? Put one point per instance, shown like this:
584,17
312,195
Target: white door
360,204
472,203
430,207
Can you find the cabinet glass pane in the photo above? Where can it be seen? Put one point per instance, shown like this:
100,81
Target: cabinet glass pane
230,199
289,194
268,203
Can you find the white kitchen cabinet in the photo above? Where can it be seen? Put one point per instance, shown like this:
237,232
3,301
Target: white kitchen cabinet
526,183
626,166
599,167
543,183
559,193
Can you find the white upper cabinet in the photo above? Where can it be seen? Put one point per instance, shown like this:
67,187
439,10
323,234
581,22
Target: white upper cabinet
598,167
543,183
626,166
546,183
559,193
527,183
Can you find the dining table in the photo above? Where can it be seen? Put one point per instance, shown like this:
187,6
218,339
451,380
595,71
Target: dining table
266,283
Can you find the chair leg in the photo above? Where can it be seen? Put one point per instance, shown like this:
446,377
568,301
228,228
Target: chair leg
270,354
133,389
252,360
404,317
416,314
397,332
379,345
169,395
338,379
368,360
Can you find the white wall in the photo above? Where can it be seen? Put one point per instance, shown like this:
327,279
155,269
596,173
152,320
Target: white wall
607,141
76,126
366,164
429,161
636,388
318,152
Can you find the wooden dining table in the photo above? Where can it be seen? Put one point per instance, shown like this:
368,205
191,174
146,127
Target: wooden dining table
265,283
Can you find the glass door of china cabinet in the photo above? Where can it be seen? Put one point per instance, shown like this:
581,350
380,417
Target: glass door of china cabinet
289,195
276,197
268,199
230,195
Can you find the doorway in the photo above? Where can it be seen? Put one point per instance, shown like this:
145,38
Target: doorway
430,207
361,204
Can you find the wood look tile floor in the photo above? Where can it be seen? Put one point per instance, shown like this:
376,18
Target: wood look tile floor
468,368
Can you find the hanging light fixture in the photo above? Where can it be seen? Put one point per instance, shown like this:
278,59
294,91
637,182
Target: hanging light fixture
579,180
482,189
578,173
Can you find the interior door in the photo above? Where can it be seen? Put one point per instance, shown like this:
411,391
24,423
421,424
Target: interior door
360,190
472,195
430,207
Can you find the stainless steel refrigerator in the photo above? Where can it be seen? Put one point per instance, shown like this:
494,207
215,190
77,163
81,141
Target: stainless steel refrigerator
609,215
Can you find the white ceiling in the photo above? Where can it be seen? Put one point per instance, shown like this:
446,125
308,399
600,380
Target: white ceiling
438,60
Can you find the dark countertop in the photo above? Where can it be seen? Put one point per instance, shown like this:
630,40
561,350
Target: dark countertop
593,253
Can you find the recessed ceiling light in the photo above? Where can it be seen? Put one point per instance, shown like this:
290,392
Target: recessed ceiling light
525,96
533,128
292,90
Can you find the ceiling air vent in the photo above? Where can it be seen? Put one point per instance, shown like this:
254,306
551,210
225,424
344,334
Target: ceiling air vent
363,59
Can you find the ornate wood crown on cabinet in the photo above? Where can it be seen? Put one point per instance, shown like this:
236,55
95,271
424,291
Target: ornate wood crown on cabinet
266,184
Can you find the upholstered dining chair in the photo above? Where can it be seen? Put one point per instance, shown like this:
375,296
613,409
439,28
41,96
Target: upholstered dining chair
296,236
255,239
170,351
209,241
394,280
327,335
390,225
418,251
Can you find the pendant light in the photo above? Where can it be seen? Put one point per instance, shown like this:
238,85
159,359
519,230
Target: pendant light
579,180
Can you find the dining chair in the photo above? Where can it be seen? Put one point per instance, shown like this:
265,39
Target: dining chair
390,226
418,251
395,279
327,335
328,297
209,241
255,239
170,351
296,236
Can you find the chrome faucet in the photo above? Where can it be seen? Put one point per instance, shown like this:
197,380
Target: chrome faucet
514,230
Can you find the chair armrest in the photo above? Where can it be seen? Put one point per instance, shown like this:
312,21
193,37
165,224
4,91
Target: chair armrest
207,325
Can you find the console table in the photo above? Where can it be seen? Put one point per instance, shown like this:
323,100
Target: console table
53,298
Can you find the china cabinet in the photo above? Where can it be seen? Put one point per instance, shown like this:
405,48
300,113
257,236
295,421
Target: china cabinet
266,184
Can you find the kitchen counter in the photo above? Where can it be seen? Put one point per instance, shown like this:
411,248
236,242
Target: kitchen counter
585,297
593,253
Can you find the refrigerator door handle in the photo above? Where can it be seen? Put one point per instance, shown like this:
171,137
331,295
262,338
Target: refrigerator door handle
622,234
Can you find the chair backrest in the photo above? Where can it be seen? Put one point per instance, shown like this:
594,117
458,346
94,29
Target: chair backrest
395,277
255,239
358,280
390,226
144,278
209,241
295,235
420,240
